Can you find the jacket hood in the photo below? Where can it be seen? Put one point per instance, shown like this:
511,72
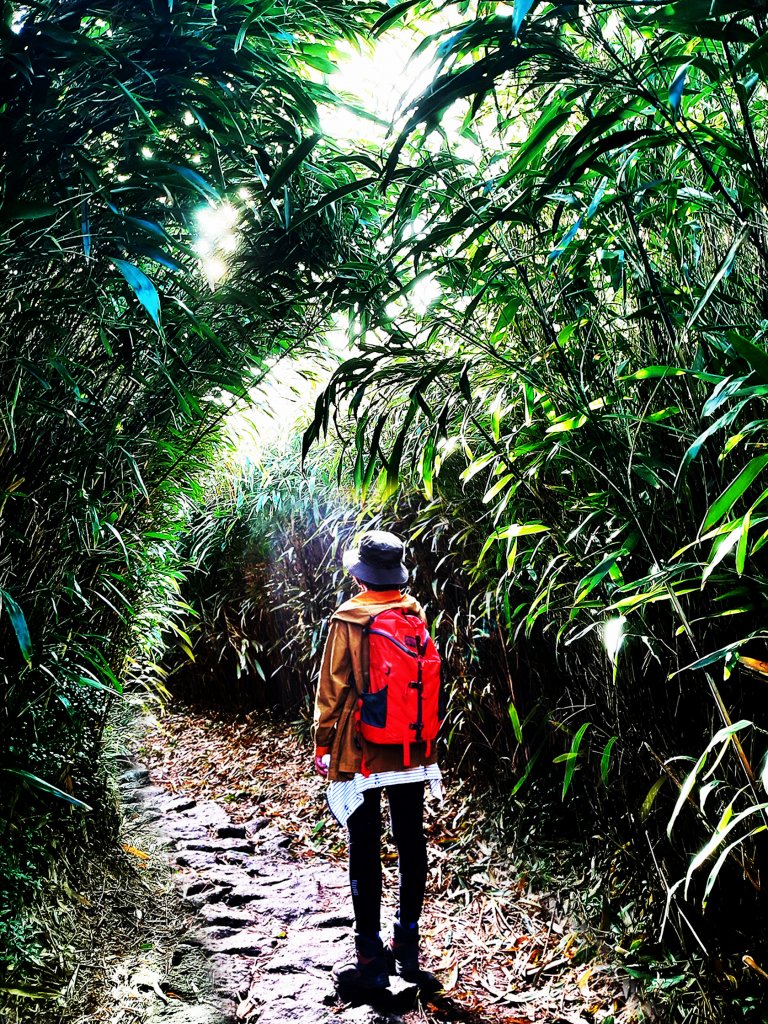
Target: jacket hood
359,612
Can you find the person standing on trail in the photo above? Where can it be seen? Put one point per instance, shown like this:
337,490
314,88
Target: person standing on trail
380,635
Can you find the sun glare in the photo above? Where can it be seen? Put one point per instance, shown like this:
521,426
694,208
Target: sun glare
424,293
613,636
216,239
277,407
17,22
381,81
215,269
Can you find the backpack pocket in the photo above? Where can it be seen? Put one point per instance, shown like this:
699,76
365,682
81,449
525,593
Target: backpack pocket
373,710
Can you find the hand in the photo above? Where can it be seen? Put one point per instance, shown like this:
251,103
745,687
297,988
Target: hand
321,765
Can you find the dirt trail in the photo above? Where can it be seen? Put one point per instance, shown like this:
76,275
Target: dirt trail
266,928
229,802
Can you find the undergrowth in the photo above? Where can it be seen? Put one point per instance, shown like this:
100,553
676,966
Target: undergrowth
267,550
66,923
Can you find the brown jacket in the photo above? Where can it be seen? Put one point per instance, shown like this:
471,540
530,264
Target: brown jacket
335,700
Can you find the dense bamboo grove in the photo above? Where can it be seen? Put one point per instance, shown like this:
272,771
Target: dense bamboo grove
586,390
555,282
126,130
574,422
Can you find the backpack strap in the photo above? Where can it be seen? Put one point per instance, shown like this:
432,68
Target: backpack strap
365,672
365,655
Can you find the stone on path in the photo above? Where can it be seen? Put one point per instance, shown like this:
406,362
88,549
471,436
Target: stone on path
134,777
262,942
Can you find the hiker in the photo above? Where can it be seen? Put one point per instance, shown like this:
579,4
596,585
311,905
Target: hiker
360,650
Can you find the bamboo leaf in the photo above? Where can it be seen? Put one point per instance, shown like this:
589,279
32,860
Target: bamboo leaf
143,288
291,164
392,15
677,87
741,550
47,787
140,109
23,210
605,759
570,423
722,736
197,181
19,623
564,242
721,549
500,484
526,772
651,795
661,372
710,659
548,125
521,530
96,685
591,580
694,449
516,726
756,357
722,271
725,502
427,465
571,756
719,837
332,197
685,791
519,13
712,877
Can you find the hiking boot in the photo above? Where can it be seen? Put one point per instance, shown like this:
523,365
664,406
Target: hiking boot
403,956
368,972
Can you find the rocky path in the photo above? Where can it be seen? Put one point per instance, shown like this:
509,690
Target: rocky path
256,909
265,926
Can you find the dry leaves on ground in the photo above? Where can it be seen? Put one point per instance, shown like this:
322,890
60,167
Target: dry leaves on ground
506,953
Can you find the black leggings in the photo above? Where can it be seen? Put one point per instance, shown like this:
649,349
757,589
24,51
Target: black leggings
406,810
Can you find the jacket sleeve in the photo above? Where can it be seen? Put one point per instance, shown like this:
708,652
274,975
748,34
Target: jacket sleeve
333,685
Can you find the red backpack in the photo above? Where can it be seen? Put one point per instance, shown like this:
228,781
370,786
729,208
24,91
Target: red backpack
402,702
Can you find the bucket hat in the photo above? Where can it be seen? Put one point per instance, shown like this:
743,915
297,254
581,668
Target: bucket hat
378,558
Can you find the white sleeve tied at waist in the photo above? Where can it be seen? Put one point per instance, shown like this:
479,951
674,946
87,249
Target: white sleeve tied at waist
344,798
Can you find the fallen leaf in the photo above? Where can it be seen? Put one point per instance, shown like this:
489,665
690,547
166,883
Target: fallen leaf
524,997
147,978
28,993
450,981
750,962
136,853
583,981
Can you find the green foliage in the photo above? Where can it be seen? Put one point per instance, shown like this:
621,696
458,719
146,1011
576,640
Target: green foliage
19,887
128,332
267,547
582,395
119,359
556,282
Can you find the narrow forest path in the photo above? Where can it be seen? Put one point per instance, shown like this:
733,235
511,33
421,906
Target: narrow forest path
264,934
260,869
